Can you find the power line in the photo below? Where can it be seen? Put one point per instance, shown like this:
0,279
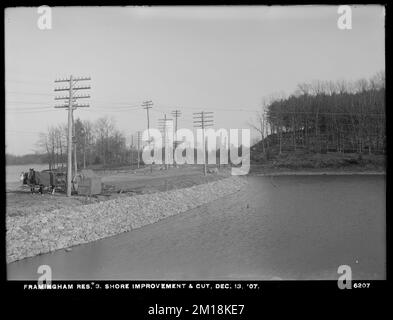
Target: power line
14,108
29,93
125,106
27,82
242,109
120,104
26,102
21,131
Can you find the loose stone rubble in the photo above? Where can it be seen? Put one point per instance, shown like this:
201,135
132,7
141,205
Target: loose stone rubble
40,233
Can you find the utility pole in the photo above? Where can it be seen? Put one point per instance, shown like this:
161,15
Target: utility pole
163,126
202,120
131,148
176,114
71,107
139,146
74,146
147,104
84,149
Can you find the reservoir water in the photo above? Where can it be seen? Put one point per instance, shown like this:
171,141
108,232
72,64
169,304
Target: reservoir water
283,227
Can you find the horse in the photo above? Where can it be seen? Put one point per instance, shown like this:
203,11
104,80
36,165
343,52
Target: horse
28,178
42,179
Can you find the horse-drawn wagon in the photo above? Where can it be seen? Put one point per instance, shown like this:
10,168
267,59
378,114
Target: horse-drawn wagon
84,183
47,179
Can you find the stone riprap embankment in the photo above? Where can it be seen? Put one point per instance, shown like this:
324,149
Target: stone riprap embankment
44,232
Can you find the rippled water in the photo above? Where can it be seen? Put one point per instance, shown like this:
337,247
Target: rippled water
288,227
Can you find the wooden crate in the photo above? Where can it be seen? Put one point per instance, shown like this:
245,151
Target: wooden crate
90,186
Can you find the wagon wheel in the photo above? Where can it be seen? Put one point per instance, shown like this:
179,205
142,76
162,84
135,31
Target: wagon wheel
75,182
61,182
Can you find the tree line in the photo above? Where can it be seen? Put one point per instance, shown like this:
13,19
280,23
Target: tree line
97,143
324,116
33,158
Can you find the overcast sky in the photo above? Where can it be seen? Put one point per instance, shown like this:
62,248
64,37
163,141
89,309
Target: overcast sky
221,59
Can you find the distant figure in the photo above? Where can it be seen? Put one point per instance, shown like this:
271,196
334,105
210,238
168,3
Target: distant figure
23,177
31,181
213,170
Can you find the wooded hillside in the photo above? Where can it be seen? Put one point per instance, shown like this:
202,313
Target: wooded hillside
327,116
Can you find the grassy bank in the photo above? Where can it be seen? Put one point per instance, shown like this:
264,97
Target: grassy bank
316,162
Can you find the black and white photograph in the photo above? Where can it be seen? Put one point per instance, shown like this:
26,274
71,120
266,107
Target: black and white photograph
195,143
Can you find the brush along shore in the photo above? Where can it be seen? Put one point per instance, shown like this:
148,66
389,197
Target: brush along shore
313,163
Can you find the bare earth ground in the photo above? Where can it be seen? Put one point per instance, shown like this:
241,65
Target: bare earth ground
117,183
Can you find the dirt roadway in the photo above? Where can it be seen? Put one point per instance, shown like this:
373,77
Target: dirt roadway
130,182
142,181
290,227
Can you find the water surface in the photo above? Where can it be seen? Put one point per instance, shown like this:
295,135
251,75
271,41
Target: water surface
288,227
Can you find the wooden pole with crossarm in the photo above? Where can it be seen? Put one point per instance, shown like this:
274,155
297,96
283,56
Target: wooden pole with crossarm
71,107
147,104
202,120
